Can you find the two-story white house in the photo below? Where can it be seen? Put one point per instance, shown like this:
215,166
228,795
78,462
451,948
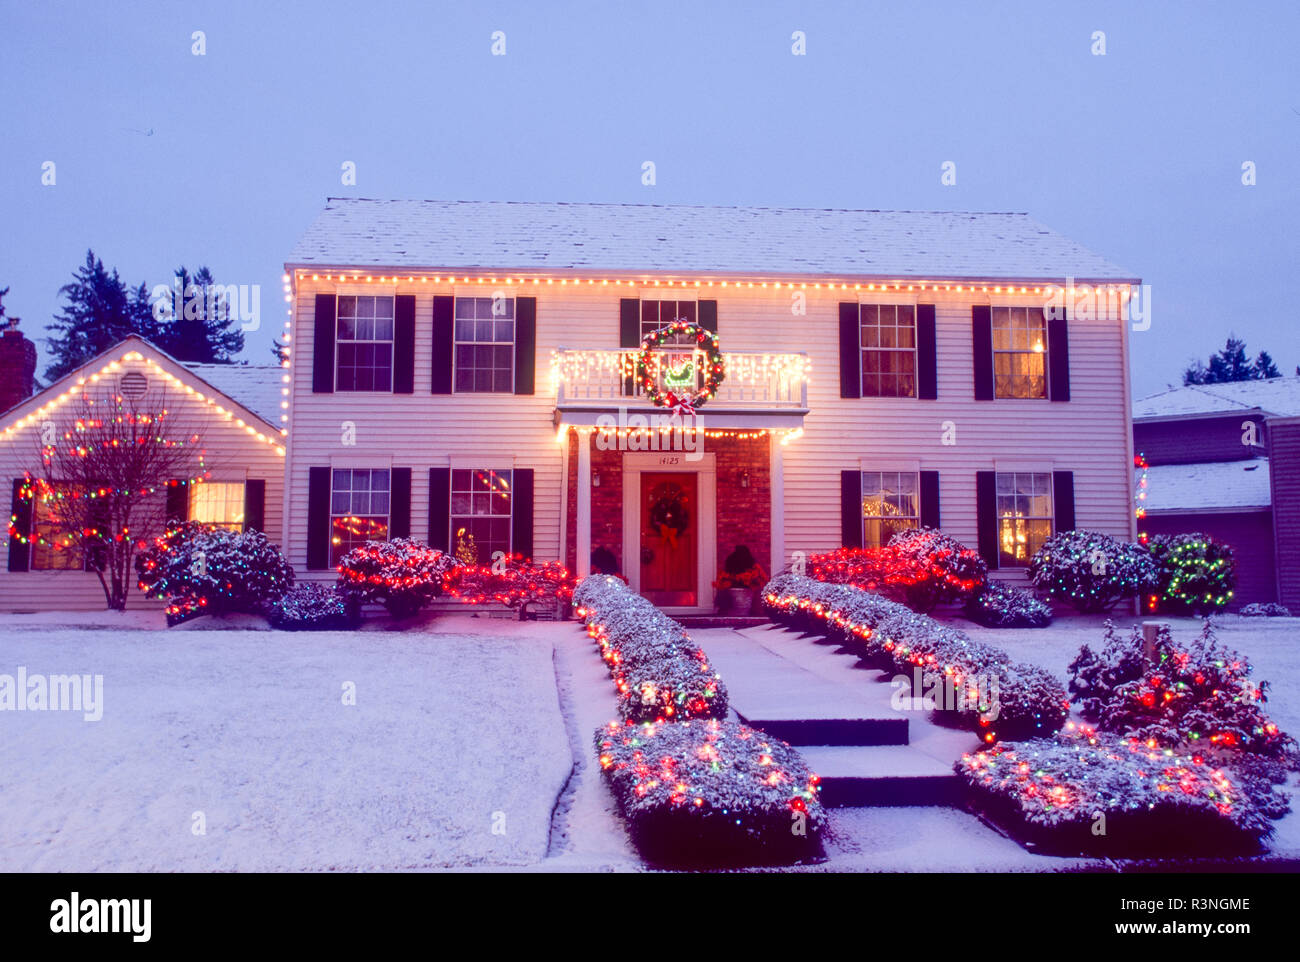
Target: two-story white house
464,373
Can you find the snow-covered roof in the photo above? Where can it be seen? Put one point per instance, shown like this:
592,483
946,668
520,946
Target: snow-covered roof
1278,396
618,238
1216,485
255,386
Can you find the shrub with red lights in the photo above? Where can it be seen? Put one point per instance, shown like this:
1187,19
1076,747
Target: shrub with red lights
312,606
921,567
1096,675
1026,700
1147,800
515,582
1198,694
1000,605
200,569
659,672
403,575
711,794
1196,573
1091,571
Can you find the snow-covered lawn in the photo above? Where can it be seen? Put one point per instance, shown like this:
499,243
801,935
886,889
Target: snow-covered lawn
456,731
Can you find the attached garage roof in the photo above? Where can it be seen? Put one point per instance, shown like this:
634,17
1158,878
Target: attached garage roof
1209,486
629,238
1278,396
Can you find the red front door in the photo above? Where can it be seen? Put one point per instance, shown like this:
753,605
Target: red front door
669,522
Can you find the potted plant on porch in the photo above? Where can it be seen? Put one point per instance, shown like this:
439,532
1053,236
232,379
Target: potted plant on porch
739,582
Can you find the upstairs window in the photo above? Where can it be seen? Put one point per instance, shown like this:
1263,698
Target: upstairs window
485,345
1024,516
365,344
218,503
1019,352
890,504
359,508
480,514
888,350
660,313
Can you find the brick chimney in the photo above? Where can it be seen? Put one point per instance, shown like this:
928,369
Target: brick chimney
17,366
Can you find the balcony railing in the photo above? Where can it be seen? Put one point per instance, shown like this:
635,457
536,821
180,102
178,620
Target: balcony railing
755,380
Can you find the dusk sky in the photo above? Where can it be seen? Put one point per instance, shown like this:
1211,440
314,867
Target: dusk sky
166,158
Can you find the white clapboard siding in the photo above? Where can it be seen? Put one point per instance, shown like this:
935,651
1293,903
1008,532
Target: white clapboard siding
1087,435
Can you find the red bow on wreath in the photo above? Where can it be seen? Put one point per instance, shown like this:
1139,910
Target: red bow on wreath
681,406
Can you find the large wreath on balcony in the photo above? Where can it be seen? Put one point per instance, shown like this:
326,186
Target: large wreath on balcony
678,390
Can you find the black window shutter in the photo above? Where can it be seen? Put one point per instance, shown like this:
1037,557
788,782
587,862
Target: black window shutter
440,508
930,499
850,354
525,344
20,552
1062,501
1058,356
851,507
708,315
404,344
444,344
322,372
399,503
981,316
521,513
927,359
629,333
986,513
318,518
255,505
178,501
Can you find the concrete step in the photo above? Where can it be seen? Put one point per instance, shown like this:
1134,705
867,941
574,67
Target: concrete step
892,775
798,728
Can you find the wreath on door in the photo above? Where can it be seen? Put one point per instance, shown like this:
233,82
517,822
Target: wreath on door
669,515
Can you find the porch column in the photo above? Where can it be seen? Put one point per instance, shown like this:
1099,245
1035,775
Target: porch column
583,539
777,483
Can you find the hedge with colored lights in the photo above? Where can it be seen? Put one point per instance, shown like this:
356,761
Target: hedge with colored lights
198,569
1196,694
708,793
515,582
921,567
1091,571
1087,792
312,606
1000,605
1196,573
403,574
1028,700
658,670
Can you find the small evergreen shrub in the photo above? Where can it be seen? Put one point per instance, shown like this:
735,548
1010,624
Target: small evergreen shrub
1000,605
403,575
1267,609
1196,573
311,606
1091,571
920,567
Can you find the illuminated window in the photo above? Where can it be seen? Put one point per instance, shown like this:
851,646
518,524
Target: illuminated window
365,344
1019,352
485,344
1024,516
358,509
890,504
480,514
219,503
54,547
888,350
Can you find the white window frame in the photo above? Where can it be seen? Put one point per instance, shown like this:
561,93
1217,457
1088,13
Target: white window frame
339,341
1044,353
452,515
334,515
456,342
197,492
863,348
897,477
1050,518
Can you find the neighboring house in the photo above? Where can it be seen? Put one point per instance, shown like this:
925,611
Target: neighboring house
1225,459
236,408
459,374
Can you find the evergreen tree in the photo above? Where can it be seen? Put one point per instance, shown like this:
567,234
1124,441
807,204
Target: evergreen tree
1264,367
201,326
98,312
279,350
1231,364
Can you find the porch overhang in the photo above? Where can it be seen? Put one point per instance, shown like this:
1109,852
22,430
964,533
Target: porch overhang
708,418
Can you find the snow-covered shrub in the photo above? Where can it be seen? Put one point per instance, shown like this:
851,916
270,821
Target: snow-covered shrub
1054,792
1090,570
200,569
1000,605
1196,573
515,582
1095,676
710,794
1002,698
403,575
658,670
921,567
311,606
1266,609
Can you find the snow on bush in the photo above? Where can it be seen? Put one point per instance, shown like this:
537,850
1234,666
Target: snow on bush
515,582
1095,676
1082,791
1196,573
311,606
1002,698
921,567
658,670
711,794
1000,605
402,574
1266,609
200,569
1091,571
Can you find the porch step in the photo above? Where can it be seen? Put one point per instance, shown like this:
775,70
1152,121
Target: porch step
802,730
892,775
720,621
